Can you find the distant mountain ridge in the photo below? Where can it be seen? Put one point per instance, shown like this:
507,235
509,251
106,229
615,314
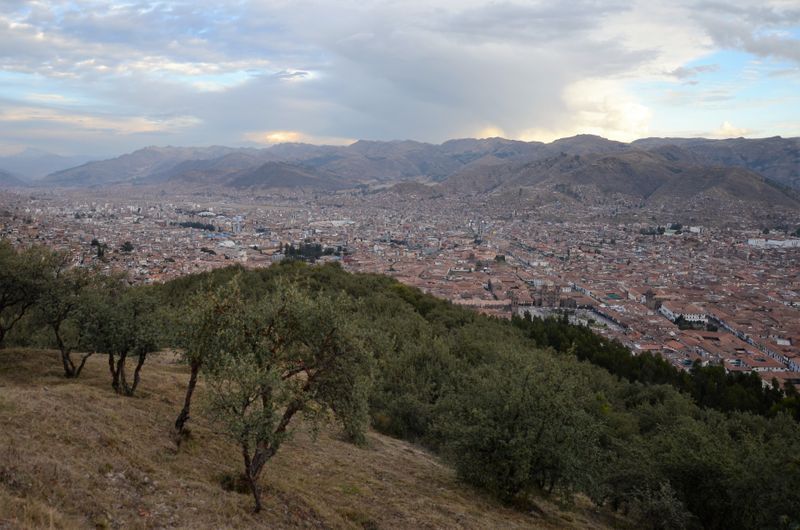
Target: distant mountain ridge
654,176
7,180
35,163
776,158
640,168
143,165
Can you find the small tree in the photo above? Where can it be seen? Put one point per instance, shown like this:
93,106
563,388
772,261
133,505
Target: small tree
124,323
200,330
23,276
64,308
660,509
284,355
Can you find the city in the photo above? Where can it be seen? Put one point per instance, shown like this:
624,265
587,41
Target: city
720,292
436,264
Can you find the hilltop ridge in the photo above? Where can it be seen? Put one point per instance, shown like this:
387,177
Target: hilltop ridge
490,164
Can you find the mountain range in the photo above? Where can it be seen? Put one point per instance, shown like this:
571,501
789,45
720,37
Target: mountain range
31,164
7,180
656,176
765,169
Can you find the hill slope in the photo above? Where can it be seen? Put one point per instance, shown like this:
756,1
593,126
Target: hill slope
35,163
7,180
776,158
473,161
145,164
77,455
283,175
663,174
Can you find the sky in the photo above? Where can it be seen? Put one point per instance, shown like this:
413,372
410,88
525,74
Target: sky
102,78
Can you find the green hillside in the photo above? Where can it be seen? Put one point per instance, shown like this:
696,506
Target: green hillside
535,414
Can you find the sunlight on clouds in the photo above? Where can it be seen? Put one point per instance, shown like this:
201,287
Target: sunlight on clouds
202,76
49,98
490,132
598,107
274,137
604,107
118,125
280,137
727,130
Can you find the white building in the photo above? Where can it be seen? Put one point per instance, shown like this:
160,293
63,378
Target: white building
689,312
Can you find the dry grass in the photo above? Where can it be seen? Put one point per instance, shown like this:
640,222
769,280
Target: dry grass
75,455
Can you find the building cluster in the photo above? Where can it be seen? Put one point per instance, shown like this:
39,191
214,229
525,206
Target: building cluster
688,289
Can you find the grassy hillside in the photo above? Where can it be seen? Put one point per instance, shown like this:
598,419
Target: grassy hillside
513,407
77,455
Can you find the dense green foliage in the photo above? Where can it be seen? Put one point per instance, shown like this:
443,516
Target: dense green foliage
268,359
309,251
529,407
710,386
196,224
23,277
519,411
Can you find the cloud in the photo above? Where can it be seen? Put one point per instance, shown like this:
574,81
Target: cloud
727,130
689,72
763,29
53,98
490,132
598,107
238,71
96,123
279,137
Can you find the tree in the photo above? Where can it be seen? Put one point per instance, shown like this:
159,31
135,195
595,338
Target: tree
126,247
124,322
23,275
283,355
199,332
660,509
63,308
520,427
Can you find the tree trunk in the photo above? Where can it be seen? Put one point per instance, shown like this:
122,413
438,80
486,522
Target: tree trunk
256,493
183,417
118,380
69,366
66,360
123,380
114,375
136,375
83,363
252,477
